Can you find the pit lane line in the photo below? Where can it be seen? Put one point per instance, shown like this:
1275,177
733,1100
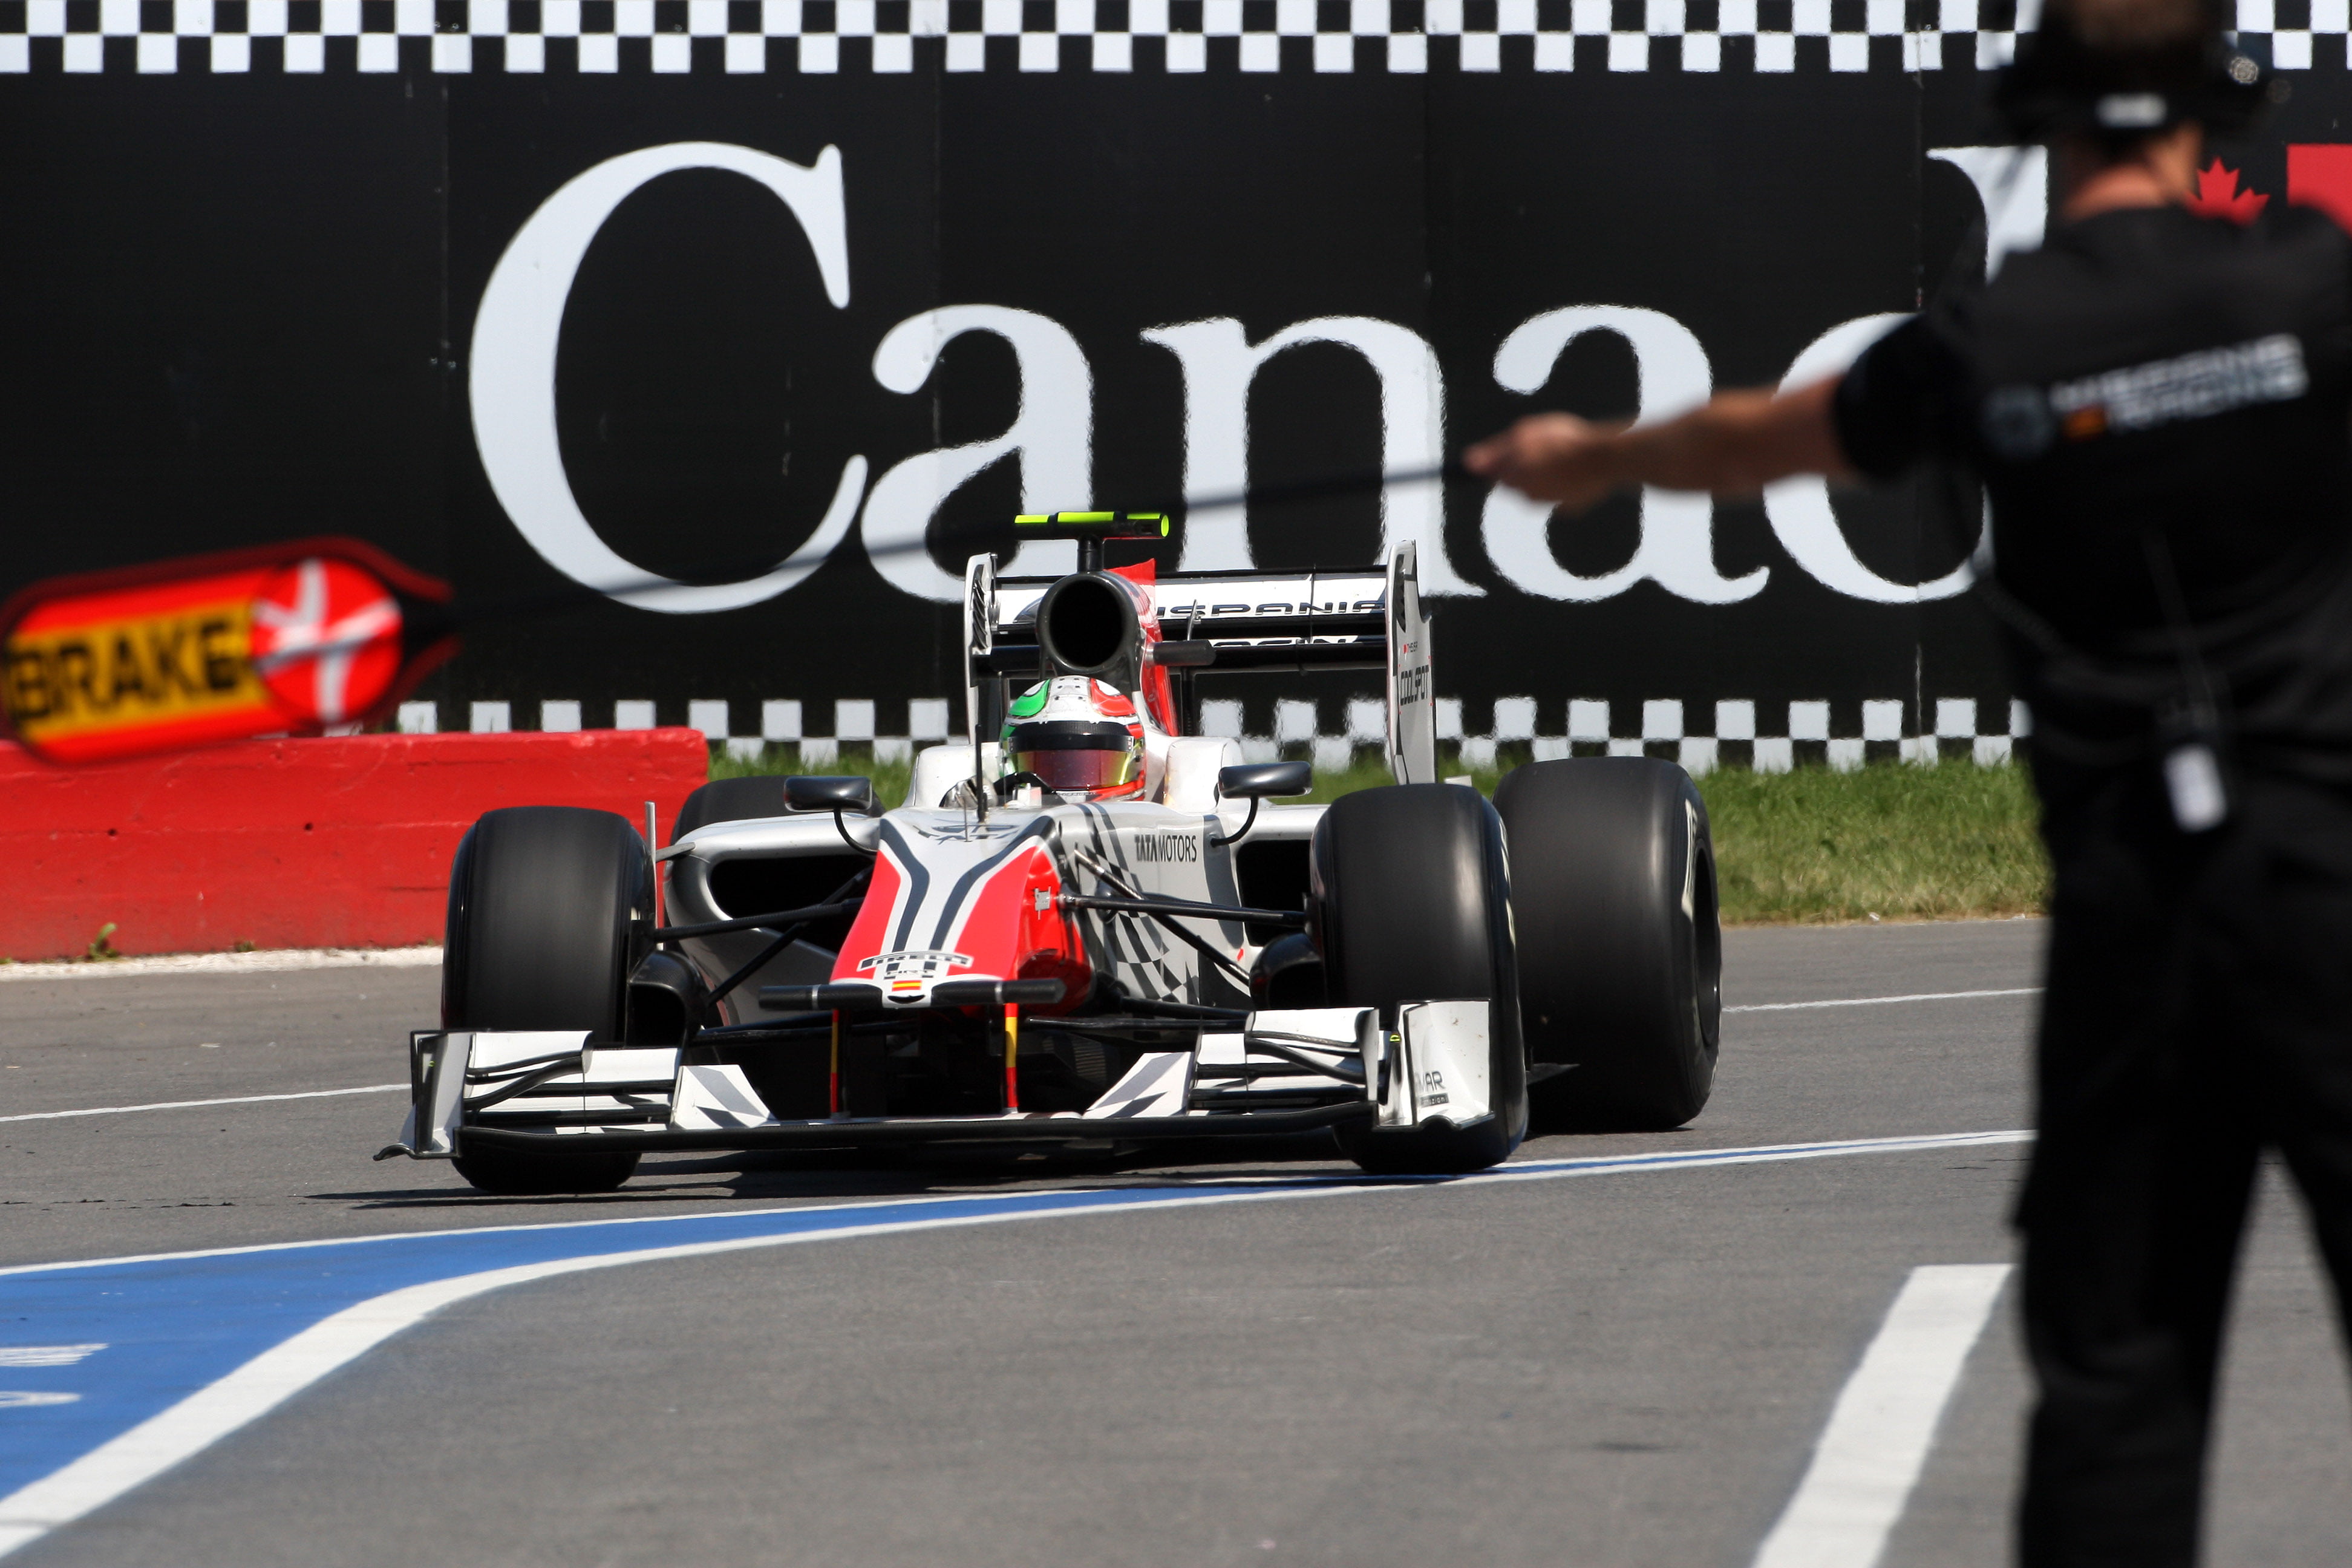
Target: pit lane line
387,1088
1882,1000
198,1345
193,1104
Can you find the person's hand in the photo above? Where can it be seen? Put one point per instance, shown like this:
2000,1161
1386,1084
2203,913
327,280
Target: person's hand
1549,456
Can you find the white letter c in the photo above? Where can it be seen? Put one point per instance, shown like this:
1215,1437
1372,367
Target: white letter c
511,380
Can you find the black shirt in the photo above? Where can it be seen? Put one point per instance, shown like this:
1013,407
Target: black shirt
2146,369
2149,387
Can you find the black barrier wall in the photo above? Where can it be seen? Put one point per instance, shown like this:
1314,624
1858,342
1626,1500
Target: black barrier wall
732,290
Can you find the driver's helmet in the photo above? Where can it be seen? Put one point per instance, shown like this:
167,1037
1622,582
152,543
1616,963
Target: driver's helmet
1076,736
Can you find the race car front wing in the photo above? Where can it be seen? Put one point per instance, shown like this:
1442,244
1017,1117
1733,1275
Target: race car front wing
566,1093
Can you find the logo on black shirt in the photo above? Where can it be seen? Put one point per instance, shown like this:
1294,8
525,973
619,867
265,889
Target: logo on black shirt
2021,422
2192,386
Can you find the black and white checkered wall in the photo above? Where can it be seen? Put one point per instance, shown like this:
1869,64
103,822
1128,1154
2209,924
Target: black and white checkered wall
1174,37
1734,733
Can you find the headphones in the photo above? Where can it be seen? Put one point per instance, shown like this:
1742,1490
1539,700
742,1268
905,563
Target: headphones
2059,84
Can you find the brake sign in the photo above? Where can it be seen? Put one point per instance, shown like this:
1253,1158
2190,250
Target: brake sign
288,639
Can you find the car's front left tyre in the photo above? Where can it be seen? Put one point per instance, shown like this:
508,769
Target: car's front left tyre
542,900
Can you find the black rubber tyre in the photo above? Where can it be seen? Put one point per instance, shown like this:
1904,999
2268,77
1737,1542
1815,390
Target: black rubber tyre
1412,902
1621,952
730,800
542,902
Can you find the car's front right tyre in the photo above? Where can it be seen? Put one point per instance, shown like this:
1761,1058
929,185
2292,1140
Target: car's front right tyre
543,899
1412,902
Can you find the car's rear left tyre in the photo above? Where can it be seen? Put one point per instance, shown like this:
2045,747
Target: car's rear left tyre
544,902
1411,903
1620,949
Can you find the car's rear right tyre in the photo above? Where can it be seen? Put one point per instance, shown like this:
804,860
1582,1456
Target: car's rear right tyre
1411,903
1621,951
544,907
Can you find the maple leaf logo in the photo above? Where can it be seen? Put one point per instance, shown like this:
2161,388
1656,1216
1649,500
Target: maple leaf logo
2218,195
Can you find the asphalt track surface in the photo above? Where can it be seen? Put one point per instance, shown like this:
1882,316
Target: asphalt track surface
1230,1359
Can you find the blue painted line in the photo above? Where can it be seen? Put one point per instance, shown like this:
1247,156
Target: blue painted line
176,1324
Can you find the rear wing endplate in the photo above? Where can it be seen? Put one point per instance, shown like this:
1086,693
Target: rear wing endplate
978,637
1412,704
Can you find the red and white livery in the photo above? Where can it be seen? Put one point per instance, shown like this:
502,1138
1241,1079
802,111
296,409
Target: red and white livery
998,961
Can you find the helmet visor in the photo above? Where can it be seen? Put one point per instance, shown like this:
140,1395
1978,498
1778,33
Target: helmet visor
1075,754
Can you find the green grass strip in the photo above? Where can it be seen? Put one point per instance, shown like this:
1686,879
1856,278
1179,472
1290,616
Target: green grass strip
1888,841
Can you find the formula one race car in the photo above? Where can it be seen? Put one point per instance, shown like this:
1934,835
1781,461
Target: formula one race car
1087,930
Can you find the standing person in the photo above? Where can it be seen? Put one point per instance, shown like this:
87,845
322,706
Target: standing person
2160,406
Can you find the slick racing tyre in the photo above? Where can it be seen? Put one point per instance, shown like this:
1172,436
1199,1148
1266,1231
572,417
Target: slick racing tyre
1411,903
1620,955
541,901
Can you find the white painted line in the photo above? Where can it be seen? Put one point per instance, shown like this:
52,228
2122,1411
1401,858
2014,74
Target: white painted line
1871,1453
270,962
1762,1154
1884,1001
191,1104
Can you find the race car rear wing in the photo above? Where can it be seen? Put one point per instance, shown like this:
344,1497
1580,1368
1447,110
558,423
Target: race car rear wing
1238,622
1283,621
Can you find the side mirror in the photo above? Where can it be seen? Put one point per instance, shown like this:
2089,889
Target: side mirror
817,792
1255,780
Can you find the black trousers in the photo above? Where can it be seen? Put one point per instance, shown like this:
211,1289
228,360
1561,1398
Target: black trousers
2200,1009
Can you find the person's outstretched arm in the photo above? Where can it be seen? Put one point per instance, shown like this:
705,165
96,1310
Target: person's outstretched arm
1736,444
